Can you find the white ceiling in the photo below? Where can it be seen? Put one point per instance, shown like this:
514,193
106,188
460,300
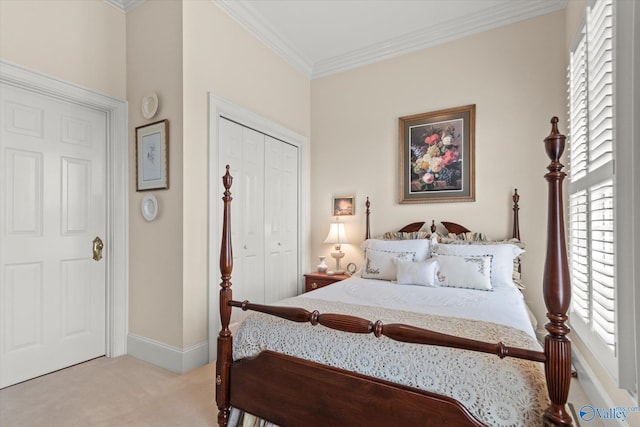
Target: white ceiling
322,37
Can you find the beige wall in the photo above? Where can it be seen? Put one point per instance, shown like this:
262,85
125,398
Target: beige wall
183,50
154,63
81,42
515,76
180,50
222,57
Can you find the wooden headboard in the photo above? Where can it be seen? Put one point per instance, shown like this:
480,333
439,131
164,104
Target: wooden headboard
451,227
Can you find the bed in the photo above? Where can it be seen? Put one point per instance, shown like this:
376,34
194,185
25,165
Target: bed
337,356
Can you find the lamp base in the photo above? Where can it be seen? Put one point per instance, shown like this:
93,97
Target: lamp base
338,255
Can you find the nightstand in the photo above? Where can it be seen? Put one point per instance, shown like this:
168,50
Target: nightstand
318,280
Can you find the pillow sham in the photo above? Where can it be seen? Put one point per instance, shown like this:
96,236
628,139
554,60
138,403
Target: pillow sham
379,264
421,247
465,271
504,254
421,273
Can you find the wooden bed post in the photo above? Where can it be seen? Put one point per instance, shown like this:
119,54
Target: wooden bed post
225,342
556,289
516,216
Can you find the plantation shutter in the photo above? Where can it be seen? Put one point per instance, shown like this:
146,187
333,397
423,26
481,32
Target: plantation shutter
592,182
602,261
600,89
578,112
579,259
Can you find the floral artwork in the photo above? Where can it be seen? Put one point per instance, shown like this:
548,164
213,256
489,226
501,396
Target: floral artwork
436,161
437,156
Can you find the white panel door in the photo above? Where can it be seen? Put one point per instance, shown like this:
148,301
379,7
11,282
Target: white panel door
243,150
281,219
52,206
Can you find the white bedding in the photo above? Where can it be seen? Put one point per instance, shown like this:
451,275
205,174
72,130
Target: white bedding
503,305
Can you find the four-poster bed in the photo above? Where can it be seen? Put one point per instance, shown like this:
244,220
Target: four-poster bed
290,390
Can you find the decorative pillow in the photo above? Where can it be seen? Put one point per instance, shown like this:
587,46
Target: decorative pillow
421,247
378,264
400,235
503,257
422,273
469,236
465,271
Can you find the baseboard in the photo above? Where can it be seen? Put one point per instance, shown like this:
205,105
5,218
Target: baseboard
593,388
168,357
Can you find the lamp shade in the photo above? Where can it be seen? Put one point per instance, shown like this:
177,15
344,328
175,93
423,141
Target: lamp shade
336,234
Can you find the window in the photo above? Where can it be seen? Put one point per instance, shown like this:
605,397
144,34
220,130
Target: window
592,188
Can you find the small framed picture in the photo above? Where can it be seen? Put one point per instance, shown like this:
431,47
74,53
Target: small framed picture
152,160
343,205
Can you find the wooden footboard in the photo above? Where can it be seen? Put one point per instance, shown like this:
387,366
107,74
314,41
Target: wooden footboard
294,392
291,391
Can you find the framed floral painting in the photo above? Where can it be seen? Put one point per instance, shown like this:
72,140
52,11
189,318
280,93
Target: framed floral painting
437,156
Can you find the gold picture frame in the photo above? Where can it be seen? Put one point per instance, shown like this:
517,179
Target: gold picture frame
437,156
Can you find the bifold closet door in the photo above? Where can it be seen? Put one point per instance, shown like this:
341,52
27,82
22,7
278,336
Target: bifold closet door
243,150
281,219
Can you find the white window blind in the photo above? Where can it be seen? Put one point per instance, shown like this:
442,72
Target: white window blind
578,112
592,183
602,261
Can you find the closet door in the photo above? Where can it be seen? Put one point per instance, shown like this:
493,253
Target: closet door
243,150
281,219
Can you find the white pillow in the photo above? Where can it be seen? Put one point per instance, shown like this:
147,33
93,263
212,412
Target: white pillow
379,264
465,271
422,273
501,265
421,247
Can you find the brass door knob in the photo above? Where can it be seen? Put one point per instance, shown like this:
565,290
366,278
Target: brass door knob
97,248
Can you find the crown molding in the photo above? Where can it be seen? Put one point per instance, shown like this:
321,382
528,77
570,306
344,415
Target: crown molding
437,34
253,22
124,5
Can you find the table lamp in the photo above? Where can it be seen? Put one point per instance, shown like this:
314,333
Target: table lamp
337,236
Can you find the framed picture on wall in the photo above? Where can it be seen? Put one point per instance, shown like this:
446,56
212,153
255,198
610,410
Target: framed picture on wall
343,205
152,160
437,158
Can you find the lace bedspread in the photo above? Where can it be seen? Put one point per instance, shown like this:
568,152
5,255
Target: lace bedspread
499,392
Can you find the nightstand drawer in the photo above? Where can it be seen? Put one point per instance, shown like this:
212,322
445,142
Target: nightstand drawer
318,280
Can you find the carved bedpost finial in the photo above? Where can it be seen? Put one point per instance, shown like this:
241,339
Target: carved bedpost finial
554,144
224,359
556,288
227,180
367,233
515,233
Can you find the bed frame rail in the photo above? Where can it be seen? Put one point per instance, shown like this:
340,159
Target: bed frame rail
395,331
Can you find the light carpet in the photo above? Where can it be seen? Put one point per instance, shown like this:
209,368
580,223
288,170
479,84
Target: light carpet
123,391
